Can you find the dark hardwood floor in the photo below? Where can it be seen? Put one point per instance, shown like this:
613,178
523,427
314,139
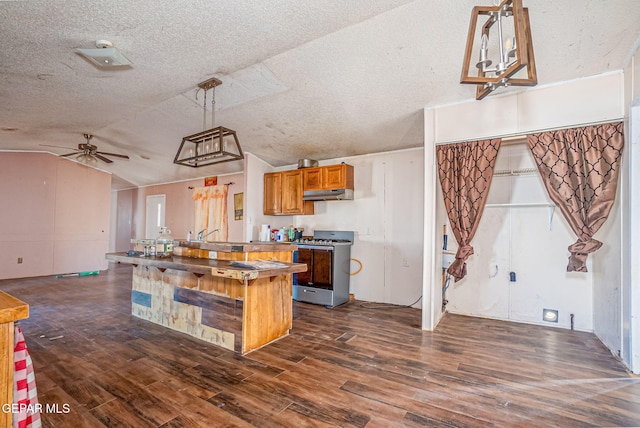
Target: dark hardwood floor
348,366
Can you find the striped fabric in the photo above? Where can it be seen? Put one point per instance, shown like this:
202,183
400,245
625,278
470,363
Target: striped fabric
25,395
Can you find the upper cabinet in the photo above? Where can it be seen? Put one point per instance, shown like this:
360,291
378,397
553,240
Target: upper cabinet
292,190
283,194
272,193
329,177
283,191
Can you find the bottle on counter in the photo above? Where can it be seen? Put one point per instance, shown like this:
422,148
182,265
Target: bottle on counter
164,243
265,233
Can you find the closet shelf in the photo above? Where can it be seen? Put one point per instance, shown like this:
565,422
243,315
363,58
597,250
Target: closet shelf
523,171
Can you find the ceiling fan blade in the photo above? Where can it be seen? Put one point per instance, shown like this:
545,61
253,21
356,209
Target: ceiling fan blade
102,158
110,141
114,154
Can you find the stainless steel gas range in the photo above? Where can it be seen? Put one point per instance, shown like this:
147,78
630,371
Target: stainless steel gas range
328,259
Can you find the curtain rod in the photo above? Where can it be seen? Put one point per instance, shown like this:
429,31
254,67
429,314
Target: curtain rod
515,138
231,183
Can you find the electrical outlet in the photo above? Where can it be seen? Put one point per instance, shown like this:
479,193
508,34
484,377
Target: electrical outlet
405,262
19,260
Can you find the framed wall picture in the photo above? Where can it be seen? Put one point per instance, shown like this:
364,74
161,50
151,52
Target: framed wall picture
237,205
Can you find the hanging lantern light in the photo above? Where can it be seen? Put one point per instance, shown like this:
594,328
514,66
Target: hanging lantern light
211,146
503,53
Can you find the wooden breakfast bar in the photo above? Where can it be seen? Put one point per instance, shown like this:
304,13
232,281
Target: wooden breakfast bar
234,295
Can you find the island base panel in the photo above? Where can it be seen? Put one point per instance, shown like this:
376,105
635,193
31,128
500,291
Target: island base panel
239,316
264,323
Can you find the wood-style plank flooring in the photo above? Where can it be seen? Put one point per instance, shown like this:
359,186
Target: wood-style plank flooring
350,366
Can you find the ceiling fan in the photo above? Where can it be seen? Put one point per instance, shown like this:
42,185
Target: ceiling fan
87,152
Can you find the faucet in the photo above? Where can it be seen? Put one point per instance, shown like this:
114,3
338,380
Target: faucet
202,235
199,235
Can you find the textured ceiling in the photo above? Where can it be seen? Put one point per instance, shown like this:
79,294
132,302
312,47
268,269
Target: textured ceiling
301,78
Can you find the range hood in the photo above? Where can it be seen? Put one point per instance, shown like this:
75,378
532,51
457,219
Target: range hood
328,195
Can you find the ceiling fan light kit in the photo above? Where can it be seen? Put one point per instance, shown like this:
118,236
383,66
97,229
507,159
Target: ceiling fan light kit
104,55
211,146
86,159
501,57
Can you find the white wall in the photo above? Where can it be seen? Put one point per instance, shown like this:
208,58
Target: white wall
631,246
596,99
589,100
55,215
607,268
629,213
386,215
254,169
432,241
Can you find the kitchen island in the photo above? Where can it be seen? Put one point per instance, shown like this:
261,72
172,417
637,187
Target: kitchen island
234,295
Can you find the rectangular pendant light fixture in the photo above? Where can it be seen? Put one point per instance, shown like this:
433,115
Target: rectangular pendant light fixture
211,146
504,48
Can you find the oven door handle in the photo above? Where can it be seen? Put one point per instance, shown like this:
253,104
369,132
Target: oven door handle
316,247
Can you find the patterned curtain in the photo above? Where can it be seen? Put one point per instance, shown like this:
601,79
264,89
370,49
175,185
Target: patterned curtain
211,211
580,167
465,171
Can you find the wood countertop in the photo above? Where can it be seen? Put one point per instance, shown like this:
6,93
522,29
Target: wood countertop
12,309
220,268
226,247
240,247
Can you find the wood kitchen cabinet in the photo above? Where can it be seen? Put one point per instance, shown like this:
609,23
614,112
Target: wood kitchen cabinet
329,177
272,193
283,194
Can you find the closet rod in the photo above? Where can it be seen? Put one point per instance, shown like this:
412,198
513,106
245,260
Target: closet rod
231,183
524,205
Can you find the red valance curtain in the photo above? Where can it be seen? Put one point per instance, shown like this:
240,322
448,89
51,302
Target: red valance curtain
466,171
579,167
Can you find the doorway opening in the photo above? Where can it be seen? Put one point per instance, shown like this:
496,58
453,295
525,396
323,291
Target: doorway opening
155,210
